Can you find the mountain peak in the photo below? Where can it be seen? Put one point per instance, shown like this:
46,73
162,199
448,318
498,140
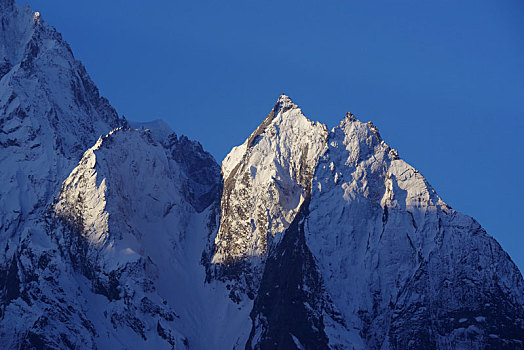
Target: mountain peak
350,116
266,181
283,104
284,99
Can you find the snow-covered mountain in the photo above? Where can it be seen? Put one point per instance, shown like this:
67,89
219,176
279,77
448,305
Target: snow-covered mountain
133,219
376,260
115,234
50,113
265,182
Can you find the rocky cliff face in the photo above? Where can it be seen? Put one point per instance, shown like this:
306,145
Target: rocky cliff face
125,235
265,181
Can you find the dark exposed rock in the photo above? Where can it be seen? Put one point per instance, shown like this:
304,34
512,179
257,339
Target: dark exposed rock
289,283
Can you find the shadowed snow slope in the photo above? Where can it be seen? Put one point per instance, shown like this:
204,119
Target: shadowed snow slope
50,113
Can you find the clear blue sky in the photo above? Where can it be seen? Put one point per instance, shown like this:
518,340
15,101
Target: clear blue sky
443,80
